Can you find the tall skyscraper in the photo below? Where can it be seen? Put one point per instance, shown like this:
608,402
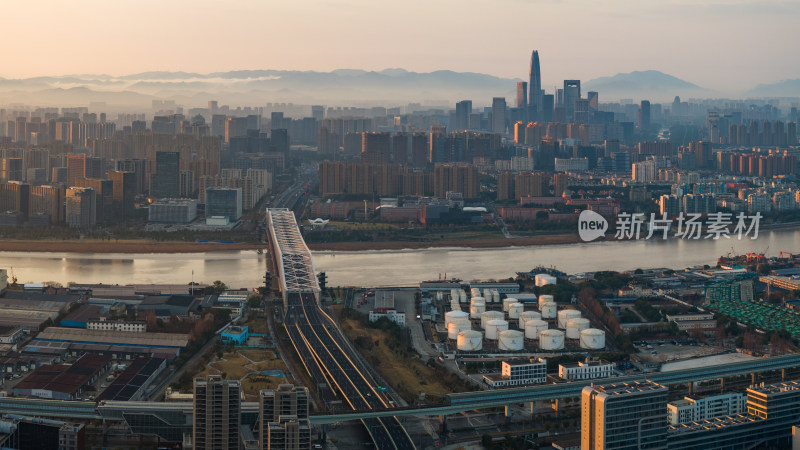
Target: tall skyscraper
522,95
124,193
547,108
217,413
284,418
572,93
499,115
624,416
463,110
644,115
534,86
164,183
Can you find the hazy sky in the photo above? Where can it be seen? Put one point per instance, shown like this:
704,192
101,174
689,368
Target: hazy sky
723,44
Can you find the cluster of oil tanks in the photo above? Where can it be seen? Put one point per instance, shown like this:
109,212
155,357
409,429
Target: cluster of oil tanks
531,324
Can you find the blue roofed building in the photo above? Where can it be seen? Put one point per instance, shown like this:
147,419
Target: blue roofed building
235,335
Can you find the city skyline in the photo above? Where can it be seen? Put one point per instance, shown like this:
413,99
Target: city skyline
598,41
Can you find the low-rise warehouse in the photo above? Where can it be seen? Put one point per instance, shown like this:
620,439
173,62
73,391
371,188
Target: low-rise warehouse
122,338
63,382
134,381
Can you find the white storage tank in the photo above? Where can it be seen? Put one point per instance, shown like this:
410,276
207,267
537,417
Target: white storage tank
566,314
476,309
463,296
544,279
450,316
534,327
475,292
508,301
475,300
515,309
548,310
439,296
575,326
551,340
593,339
494,327
510,340
525,316
495,296
469,341
455,306
489,316
545,299
457,326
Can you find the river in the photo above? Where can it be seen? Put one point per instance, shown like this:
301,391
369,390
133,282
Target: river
388,267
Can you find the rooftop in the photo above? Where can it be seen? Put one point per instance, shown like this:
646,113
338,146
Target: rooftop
7,330
713,424
125,386
65,378
776,387
628,388
84,313
128,338
172,300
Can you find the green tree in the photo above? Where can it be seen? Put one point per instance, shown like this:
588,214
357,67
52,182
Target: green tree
216,288
254,301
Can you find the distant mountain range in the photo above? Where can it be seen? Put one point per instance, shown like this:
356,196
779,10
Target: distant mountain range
785,88
347,87
649,84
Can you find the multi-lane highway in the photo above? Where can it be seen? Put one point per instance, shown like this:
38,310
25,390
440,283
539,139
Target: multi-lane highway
319,342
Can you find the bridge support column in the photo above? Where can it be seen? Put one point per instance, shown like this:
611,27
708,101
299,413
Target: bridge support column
556,405
783,374
443,424
753,378
507,413
721,385
533,410
691,388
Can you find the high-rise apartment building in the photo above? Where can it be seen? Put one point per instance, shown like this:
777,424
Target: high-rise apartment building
47,203
283,421
124,187
624,416
165,182
456,178
499,115
560,182
81,207
463,111
104,198
376,147
644,115
530,185
217,413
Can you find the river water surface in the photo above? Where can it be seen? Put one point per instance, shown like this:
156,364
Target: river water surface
388,267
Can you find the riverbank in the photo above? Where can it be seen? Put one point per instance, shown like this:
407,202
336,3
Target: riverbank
122,246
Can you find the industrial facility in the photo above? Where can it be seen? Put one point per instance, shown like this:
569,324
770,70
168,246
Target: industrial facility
488,321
